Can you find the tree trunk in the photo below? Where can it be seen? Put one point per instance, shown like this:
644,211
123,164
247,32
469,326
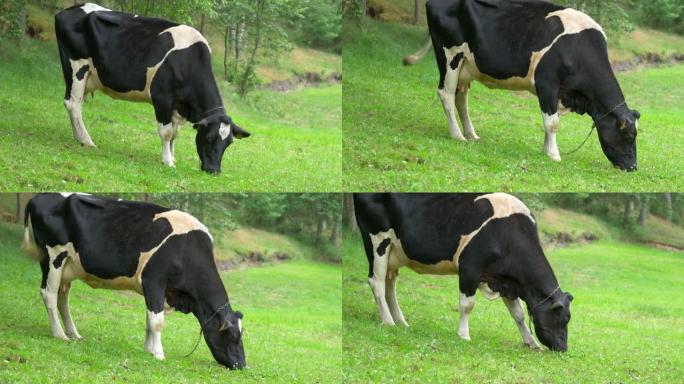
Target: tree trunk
416,13
257,43
319,230
348,212
20,210
643,212
668,206
335,233
629,203
225,52
202,23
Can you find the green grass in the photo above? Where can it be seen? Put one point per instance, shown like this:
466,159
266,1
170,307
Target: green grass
292,329
245,240
552,221
295,143
396,136
627,324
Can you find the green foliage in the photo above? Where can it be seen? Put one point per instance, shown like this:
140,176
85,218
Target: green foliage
181,11
321,22
612,15
12,18
664,14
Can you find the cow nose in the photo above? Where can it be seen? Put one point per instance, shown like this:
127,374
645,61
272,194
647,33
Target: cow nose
213,172
633,168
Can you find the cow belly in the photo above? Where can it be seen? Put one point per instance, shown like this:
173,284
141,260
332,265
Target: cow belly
74,270
94,83
398,259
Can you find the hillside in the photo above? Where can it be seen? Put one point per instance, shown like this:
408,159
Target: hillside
292,308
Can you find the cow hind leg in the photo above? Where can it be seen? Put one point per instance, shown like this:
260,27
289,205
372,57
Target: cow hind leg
63,304
391,296
73,102
462,107
449,67
516,310
378,282
53,267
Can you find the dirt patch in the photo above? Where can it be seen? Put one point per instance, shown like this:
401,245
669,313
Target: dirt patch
648,60
564,239
251,259
309,79
666,247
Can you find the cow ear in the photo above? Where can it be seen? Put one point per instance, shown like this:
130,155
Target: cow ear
239,132
570,298
557,305
636,114
238,314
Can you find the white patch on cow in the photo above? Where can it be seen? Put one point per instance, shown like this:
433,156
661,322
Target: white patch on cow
488,293
224,131
74,104
562,109
504,205
90,7
67,194
182,223
551,123
448,93
575,21
28,243
183,37
240,325
378,281
155,323
167,133
465,306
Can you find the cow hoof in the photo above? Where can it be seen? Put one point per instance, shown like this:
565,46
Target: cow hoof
464,337
459,138
75,337
159,356
473,138
555,157
61,337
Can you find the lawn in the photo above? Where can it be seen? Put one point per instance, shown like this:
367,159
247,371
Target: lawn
292,329
627,325
295,143
396,136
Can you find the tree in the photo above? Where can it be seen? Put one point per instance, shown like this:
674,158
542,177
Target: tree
416,11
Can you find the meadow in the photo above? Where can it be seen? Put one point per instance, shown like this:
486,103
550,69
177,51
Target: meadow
396,136
295,143
291,328
627,324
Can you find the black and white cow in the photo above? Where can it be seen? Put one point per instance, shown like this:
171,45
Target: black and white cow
489,240
165,255
145,59
558,54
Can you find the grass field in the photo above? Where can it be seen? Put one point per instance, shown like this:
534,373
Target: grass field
627,324
396,136
292,329
295,143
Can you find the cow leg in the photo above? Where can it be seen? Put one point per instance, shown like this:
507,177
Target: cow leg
73,102
518,315
49,291
462,107
176,121
63,304
167,132
547,91
448,84
465,306
154,300
391,296
378,281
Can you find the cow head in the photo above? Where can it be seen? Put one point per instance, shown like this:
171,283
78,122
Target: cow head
214,135
617,135
551,320
224,338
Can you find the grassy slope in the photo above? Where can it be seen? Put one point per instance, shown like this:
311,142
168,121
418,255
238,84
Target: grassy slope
295,144
625,325
292,329
396,136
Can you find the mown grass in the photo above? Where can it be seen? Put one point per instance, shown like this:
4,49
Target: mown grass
396,136
295,143
292,329
627,324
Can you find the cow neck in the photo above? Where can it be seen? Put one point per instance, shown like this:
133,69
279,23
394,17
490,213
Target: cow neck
606,97
211,302
204,99
539,281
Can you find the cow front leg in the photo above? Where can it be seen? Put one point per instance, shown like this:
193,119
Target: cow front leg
52,277
391,296
63,304
378,282
73,102
516,310
465,307
462,107
551,123
155,323
548,89
167,133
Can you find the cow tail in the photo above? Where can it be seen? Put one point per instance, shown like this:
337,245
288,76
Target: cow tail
416,57
28,244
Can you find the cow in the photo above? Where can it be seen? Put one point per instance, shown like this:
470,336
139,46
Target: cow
163,254
489,240
148,60
556,53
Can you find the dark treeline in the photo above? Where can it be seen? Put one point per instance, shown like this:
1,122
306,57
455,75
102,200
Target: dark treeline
252,31
625,208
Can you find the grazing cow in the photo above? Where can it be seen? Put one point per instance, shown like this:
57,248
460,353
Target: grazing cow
144,59
165,255
556,53
489,240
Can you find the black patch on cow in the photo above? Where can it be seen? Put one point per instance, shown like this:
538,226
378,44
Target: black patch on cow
382,247
59,259
456,60
82,72
45,269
